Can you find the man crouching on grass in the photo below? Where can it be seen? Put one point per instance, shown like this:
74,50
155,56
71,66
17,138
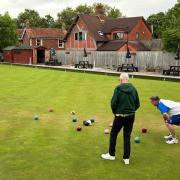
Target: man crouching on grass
171,115
124,103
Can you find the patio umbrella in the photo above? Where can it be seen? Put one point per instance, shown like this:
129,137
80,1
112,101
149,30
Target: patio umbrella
85,53
128,55
177,57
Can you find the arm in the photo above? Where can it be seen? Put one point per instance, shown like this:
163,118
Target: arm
114,101
137,101
165,117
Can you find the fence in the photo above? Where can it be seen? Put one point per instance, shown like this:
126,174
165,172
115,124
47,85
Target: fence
145,59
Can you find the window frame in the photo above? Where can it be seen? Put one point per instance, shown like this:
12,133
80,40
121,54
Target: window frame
62,46
41,42
80,36
119,38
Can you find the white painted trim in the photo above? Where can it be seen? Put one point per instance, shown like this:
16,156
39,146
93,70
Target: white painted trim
60,47
41,41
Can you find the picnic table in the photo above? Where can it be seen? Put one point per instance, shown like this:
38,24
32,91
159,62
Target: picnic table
173,70
127,68
84,65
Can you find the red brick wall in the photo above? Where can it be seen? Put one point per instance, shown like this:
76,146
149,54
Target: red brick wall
8,56
89,43
144,32
23,56
47,43
141,28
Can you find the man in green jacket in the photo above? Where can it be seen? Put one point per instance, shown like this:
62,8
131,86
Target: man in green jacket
124,103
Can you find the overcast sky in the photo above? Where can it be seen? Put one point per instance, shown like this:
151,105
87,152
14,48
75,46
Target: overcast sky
52,7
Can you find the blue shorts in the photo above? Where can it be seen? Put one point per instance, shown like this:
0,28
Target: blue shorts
175,120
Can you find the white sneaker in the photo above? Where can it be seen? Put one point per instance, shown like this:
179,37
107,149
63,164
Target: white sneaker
168,137
108,157
172,141
126,161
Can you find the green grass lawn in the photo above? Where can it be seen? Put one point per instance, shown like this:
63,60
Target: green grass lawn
52,149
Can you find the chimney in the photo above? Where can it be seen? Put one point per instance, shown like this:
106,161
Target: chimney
100,12
99,9
28,24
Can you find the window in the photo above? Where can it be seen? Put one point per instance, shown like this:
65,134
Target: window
39,42
60,43
118,35
80,36
137,36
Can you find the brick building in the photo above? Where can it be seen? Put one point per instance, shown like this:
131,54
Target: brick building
97,33
42,40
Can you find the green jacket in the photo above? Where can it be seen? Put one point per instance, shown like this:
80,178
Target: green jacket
125,99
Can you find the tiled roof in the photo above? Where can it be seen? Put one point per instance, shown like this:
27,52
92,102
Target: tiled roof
24,47
45,33
105,25
117,44
9,48
123,23
93,23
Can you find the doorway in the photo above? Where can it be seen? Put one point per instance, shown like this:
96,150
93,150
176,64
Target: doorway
40,56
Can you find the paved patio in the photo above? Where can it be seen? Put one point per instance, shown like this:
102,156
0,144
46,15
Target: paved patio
149,75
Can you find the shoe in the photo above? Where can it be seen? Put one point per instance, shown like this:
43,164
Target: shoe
108,157
168,137
172,141
126,161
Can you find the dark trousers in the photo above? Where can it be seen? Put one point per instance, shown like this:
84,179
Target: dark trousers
127,124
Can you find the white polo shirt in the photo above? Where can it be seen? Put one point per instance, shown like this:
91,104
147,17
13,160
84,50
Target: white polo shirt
170,107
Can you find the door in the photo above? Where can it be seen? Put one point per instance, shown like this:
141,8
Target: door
40,56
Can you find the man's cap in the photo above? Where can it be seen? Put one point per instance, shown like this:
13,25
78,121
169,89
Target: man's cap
155,98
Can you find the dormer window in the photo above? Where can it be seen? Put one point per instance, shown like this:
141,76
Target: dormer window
118,35
100,33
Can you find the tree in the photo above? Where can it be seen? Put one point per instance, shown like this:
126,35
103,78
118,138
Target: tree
171,35
167,27
29,15
159,23
171,39
84,9
47,21
114,13
65,18
8,35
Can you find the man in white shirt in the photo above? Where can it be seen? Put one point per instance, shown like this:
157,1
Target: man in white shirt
171,115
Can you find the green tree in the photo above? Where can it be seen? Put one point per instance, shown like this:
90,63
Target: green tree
114,13
171,35
159,23
47,21
66,17
171,39
31,16
84,9
8,35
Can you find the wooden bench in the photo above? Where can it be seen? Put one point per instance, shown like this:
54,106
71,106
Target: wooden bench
127,68
173,70
84,65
